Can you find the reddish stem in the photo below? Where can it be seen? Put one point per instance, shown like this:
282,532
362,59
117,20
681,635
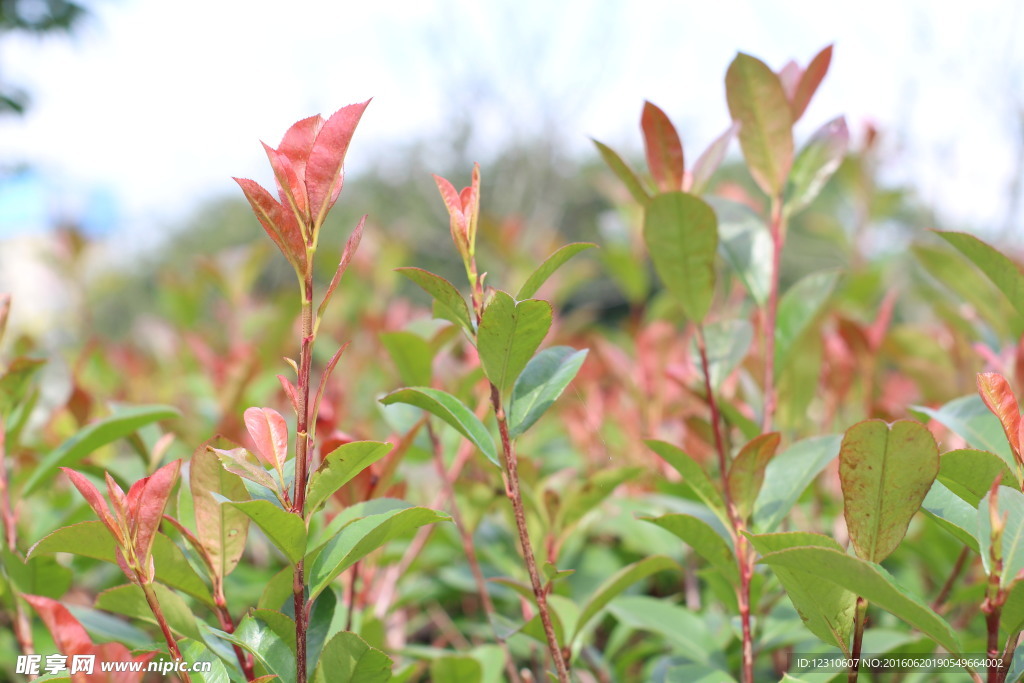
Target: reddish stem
302,452
777,230
154,606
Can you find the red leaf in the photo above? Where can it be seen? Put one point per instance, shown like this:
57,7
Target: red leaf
664,150
809,82
996,393
68,635
297,143
290,391
278,221
118,501
458,221
325,167
290,187
116,652
710,160
346,257
790,76
146,500
269,434
96,502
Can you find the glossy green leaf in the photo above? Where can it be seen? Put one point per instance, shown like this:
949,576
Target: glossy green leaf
1011,507
130,601
1003,272
746,474
509,334
412,356
284,529
39,575
703,540
122,423
623,171
1012,616
221,529
362,537
445,295
105,627
870,581
759,104
265,644
681,233
727,343
789,474
456,668
195,651
826,608
340,466
745,245
92,539
693,475
886,471
798,308
540,384
615,584
969,473
682,629
347,658
969,418
452,411
548,268
952,513
816,163
324,622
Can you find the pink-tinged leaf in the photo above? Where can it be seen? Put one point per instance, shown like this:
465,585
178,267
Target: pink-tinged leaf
96,502
875,332
297,143
239,461
346,257
746,475
277,221
789,76
998,396
471,206
290,391
710,160
324,170
146,501
758,103
269,434
129,571
324,378
116,652
69,636
458,222
664,150
222,529
118,501
290,187
809,82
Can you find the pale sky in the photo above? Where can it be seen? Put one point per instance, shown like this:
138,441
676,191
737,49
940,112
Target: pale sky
158,104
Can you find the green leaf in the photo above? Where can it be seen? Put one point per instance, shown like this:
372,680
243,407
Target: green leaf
362,537
586,496
616,583
346,658
340,466
323,623
456,668
870,581
969,418
39,575
105,627
95,435
952,513
746,474
445,296
221,529
1012,616
745,245
509,334
194,651
412,355
886,471
1011,507
826,608
16,380
285,530
969,473
693,475
727,344
623,171
703,540
681,233
130,601
548,268
684,630
265,644
798,308
92,539
759,104
816,163
540,384
789,474
452,411
1003,272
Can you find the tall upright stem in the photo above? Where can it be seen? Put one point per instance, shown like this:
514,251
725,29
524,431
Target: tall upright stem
778,234
512,490
154,606
302,469
859,622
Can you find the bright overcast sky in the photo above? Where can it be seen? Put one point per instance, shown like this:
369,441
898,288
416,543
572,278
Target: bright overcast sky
159,103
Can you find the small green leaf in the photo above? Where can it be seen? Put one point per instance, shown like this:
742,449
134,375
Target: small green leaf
816,163
826,608
1011,507
798,308
952,513
362,537
693,475
746,474
618,582
758,103
193,652
452,411
96,435
509,334
684,630
548,268
1012,616
445,295
1003,272
745,245
265,644
130,601
969,473
727,344
703,540
346,658
623,171
284,529
456,668
681,233
540,384
340,466
870,581
39,575
789,474
412,355
969,418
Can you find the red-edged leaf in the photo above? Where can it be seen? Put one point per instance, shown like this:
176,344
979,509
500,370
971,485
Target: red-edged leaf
809,82
290,187
664,150
297,143
146,500
241,462
118,502
278,221
290,391
998,396
96,502
458,220
346,258
69,636
269,434
222,529
324,170
746,475
710,160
